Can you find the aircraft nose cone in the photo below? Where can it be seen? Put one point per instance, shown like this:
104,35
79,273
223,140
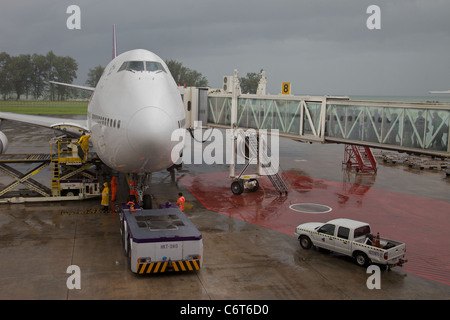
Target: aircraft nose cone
150,130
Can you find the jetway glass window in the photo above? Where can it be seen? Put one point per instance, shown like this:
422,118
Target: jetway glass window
438,130
277,109
220,110
335,119
293,113
355,120
415,128
311,118
266,114
373,118
248,113
392,125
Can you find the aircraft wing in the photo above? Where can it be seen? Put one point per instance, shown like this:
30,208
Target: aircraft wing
72,126
73,86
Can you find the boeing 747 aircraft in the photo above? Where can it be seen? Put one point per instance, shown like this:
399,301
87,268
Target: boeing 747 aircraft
131,115
447,91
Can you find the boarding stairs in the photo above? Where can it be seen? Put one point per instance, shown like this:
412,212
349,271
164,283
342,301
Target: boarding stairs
361,158
271,167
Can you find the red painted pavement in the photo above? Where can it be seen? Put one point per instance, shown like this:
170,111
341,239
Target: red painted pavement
422,223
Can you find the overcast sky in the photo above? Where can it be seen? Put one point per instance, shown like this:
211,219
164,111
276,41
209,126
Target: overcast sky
320,46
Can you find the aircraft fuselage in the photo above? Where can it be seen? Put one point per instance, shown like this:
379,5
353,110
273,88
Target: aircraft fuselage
133,112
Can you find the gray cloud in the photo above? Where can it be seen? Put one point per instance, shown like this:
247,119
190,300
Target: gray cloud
321,46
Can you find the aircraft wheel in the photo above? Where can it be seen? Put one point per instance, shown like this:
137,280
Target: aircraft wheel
237,187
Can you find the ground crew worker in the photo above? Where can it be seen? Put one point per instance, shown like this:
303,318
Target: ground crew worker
105,197
83,143
181,200
114,185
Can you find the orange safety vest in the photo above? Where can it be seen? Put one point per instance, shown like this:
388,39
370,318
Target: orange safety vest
132,188
114,185
180,202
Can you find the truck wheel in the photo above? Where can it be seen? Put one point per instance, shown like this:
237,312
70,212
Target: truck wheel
305,242
361,259
237,187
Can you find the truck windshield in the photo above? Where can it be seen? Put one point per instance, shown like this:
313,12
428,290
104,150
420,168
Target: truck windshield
361,231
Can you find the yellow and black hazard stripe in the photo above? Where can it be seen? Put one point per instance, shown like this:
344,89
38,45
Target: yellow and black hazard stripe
163,266
368,246
344,240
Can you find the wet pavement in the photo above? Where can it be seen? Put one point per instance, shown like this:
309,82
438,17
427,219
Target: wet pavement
249,248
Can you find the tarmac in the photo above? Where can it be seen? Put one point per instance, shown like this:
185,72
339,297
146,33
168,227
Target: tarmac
250,252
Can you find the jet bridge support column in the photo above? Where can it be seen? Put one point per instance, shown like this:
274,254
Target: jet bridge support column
235,90
252,146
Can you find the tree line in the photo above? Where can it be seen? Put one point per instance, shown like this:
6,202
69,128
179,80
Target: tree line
28,75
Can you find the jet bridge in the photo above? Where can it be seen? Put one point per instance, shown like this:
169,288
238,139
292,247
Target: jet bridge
418,128
414,128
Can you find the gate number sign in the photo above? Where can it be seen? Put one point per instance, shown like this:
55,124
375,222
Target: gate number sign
286,88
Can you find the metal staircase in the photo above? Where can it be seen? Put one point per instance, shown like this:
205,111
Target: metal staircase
271,167
55,176
361,158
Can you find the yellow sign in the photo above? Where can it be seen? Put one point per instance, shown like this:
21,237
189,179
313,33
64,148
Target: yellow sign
286,88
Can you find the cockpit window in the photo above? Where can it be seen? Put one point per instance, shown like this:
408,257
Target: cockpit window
151,66
136,65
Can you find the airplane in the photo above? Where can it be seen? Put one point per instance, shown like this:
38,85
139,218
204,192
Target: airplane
447,91
131,115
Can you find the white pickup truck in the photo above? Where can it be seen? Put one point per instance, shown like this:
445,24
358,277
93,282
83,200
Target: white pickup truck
352,238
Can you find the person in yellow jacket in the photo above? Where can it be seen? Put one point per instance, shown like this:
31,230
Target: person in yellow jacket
83,143
105,197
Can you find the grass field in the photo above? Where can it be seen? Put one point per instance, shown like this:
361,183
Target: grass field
44,107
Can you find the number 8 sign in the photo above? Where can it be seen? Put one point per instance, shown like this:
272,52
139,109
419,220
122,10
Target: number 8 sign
286,88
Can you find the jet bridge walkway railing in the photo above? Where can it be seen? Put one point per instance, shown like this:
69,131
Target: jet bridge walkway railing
421,128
